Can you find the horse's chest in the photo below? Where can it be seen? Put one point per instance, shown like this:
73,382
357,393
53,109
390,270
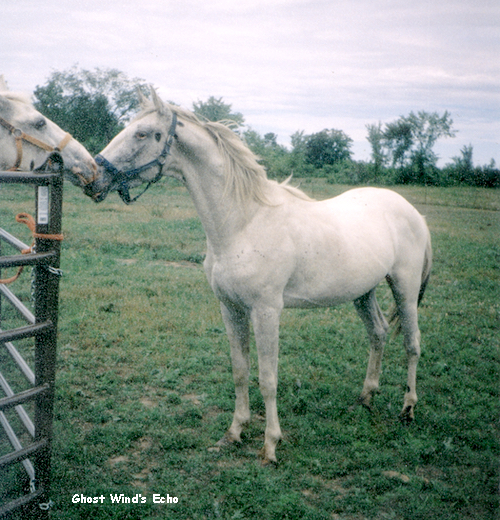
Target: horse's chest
241,277
226,283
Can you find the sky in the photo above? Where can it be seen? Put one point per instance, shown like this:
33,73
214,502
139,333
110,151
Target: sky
286,65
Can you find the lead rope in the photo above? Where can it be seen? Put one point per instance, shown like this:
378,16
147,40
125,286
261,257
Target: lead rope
25,218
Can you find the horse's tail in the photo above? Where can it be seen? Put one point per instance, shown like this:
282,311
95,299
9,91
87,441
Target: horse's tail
394,318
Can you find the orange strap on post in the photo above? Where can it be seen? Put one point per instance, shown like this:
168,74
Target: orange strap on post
25,218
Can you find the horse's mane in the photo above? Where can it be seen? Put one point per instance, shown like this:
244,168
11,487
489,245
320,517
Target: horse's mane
246,179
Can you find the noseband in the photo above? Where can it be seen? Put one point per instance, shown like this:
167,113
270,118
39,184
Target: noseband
121,179
20,136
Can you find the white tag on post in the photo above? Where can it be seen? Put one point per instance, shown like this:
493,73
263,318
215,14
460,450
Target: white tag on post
43,205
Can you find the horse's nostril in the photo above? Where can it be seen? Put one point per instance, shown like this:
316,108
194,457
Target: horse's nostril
96,197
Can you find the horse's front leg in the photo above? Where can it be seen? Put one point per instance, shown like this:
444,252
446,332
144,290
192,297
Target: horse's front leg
238,331
266,329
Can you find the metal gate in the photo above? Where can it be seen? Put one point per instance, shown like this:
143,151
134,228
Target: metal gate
27,401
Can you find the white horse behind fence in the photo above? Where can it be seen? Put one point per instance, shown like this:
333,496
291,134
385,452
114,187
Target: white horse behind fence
28,139
269,246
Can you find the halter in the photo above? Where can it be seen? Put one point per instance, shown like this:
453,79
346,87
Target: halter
122,178
20,136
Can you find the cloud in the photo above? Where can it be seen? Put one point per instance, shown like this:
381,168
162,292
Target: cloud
286,65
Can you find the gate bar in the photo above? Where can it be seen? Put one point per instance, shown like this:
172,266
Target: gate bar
25,418
15,302
38,179
12,240
22,397
22,454
28,466
29,259
25,369
20,502
24,332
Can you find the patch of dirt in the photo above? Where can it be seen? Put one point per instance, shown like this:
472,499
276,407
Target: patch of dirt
181,263
114,461
394,474
140,478
194,398
147,403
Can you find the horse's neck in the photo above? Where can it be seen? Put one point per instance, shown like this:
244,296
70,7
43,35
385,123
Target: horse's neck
220,214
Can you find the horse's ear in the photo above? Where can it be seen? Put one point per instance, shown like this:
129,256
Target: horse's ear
157,102
143,100
3,83
5,104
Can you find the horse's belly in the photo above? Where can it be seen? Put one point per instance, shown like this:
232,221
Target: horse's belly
327,296
295,301
330,283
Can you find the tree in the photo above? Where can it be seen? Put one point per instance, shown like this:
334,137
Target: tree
93,106
327,147
272,155
298,140
375,138
463,171
427,129
409,142
464,165
216,110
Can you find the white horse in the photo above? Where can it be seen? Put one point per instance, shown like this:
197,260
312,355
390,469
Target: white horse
27,140
270,246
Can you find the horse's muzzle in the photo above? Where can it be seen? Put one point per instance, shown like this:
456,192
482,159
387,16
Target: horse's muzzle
93,191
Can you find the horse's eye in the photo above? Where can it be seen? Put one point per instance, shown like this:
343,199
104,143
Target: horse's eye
39,124
141,135
158,136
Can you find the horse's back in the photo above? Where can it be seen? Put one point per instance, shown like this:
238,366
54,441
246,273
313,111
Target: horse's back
346,245
379,209
374,200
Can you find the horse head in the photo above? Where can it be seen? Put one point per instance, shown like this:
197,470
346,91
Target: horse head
28,139
137,154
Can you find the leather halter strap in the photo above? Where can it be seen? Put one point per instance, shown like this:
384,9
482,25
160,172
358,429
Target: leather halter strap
20,136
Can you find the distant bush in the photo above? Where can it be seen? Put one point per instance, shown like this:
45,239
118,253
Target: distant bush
487,176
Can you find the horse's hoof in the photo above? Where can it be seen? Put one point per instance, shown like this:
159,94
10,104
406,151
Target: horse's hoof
406,416
267,461
361,401
227,440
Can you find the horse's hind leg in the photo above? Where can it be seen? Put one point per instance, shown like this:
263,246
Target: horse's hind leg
376,326
406,296
238,330
411,332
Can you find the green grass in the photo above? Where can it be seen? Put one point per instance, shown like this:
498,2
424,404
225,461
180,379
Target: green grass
144,383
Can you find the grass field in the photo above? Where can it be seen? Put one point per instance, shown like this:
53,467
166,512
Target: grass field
144,384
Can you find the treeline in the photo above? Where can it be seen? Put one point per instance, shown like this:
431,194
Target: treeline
95,105
402,153
281,162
